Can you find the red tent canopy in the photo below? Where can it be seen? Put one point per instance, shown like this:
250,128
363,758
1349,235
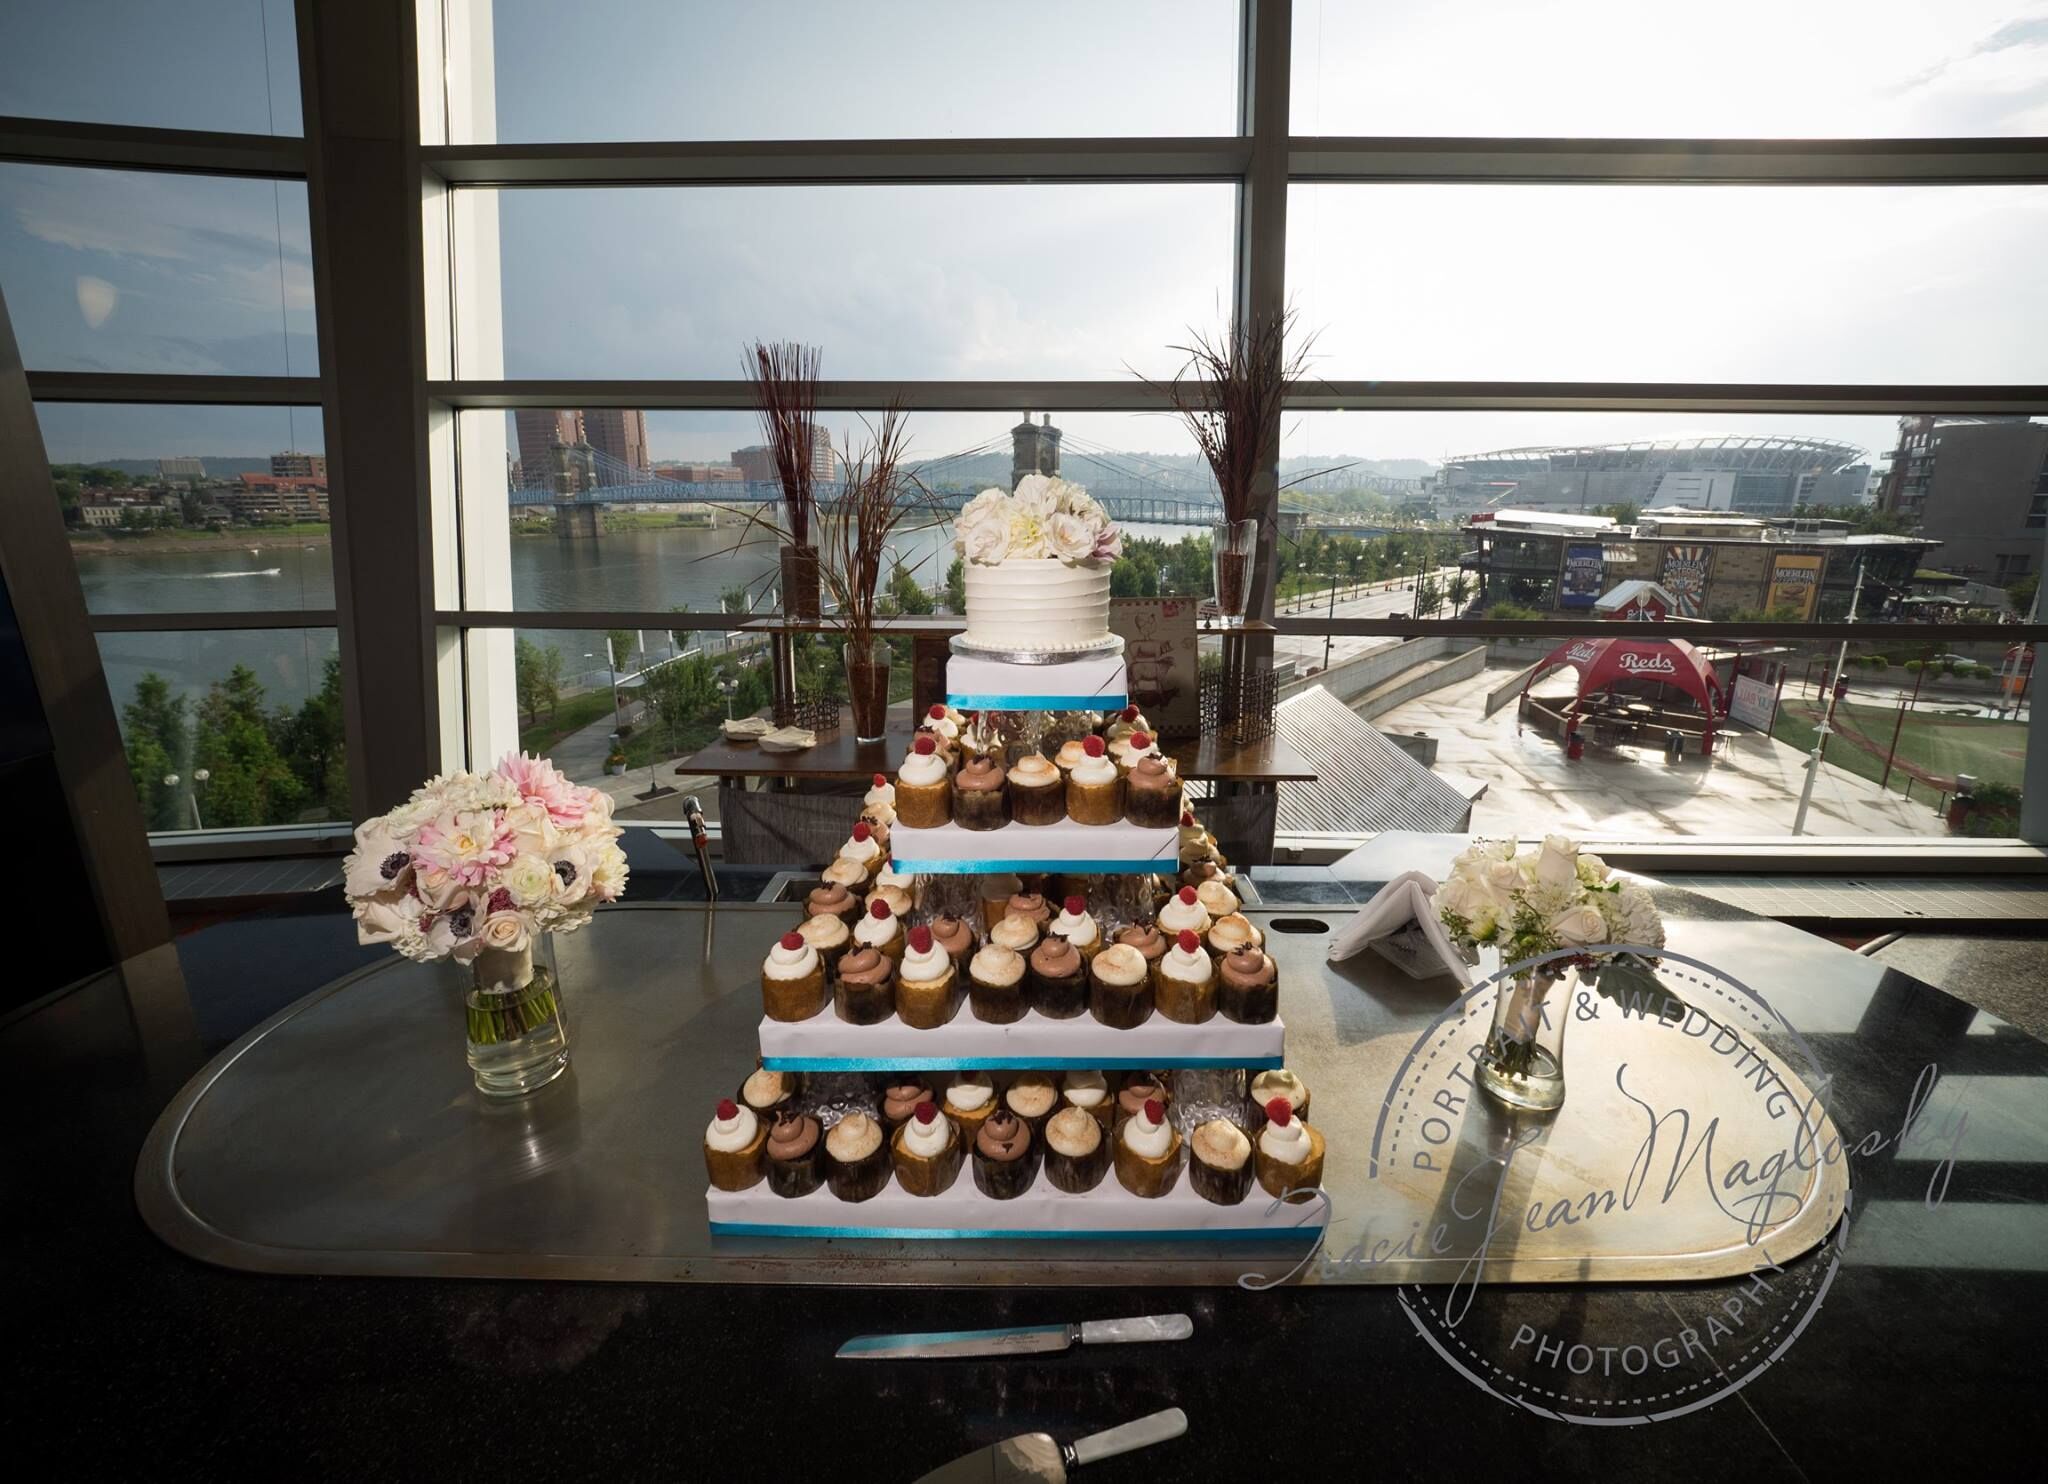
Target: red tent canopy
1600,662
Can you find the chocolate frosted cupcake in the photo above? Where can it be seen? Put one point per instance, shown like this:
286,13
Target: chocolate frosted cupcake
1076,1151
1077,927
1057,984
1220,1162
1032,1097
795,1155
830,936
1195,873
1018,934
832,900
928,987
1249,986
900,1100
1005,1157
1187,982
956,938
856,1158
792,979
1290,1153
1139,1089
768,1095
1276,1083
995,985
927,1152
969,1101
732,1147
1038,795
1150,942
1032,906
924,787
1088,1091
980,796
1148,1152
866,990
1120,987
1095,790
1152,794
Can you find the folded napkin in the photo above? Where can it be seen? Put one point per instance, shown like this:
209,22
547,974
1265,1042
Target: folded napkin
1401,926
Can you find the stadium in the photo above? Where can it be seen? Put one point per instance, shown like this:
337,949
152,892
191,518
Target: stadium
1755,475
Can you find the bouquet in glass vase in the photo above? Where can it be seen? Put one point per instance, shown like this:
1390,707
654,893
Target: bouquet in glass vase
480,869
1552,899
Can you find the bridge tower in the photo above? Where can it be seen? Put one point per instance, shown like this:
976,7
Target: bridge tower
1034,448
575,471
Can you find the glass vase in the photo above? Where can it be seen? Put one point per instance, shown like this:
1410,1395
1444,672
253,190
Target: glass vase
1233,559
518,1039
799,582
867,687
1522,1064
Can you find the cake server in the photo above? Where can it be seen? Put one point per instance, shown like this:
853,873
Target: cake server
1034,1458
1032,1340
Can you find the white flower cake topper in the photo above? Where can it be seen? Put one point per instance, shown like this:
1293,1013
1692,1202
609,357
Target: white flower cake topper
1044,517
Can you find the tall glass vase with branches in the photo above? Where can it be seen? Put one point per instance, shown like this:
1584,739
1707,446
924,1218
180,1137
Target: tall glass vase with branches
784,376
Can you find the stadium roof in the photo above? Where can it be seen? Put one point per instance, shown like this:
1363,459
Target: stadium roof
1732,452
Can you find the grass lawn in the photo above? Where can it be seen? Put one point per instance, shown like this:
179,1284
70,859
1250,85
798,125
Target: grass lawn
572,715
1935,746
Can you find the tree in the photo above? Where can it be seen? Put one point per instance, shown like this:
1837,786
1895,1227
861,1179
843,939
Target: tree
537,678
2021,593
621,642
1459,591
681,693
956,586
313,744
1622,513
250,782
1134,576
733,600
1429,595
908,592
158,742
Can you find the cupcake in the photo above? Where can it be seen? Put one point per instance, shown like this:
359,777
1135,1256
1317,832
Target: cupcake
1120,987
927,1152
1248,989
1089,1092
980,797
881,930
830,936
928,987
1032,1097
956,937
894,893
767,1095
1215,895
863,849
1069,757
1018,934
1038,795
1277,1083
1076,1151
865,991
996,892
1290,1152
795,1155
1183,913
924,789
880,795
943,722
1187,982
1220,1162
1131,748
1030,904
995,985
792,979
1150,942
1005,1157
1139,1089
1196,873
732,1147
1125,722
969,1101
1056,981
1152,794
900,1100
1234,931
833,900
856,1158
1077,927
1095,792
849,874
1147,1152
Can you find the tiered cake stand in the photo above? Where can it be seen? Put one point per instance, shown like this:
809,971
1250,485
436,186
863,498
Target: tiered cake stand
826,1044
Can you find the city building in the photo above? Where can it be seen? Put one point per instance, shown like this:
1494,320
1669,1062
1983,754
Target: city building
294,465
616,433
181,469
1755,475
1977,487
701,473
272,497
756,462
1034,448
1711,565
538,429
100,516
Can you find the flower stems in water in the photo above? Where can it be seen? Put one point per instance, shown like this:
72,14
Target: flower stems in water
495,1019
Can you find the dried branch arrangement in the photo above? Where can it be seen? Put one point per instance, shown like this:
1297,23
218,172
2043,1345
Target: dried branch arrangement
876,494
784,375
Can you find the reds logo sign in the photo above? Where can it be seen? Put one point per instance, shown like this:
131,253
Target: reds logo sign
1582,651
1648,664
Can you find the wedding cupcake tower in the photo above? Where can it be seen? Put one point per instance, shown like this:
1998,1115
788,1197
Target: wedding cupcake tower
941,1055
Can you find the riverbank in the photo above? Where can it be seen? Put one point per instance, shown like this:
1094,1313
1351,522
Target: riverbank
100,543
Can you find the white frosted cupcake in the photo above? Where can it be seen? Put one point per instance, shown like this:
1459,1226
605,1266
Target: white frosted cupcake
880,929
1147,1152
1183,913
1216,897
1017,933
848,873
1077,927
1187,981
1234,931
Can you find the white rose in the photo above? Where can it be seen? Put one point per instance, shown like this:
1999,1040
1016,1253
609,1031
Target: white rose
533,828
1071,537
504,932
987,543
1593,870
1557,861
1502,877
439,890
1465,897
1035,494
530,879
1580,925
387,918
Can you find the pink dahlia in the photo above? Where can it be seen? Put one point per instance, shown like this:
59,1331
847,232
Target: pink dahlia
539,783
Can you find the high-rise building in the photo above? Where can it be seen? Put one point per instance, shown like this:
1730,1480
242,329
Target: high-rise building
1979,486
295,465
539,429
1034,448
757,463
617,433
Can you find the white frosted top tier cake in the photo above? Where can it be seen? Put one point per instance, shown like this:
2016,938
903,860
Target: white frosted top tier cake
1036,563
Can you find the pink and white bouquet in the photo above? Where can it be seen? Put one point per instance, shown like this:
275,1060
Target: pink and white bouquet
1044,517
485,861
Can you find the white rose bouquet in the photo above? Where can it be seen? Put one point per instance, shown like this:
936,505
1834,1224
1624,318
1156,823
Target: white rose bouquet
475,862
1043,517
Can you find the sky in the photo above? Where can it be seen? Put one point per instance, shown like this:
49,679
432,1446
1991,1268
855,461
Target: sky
161,273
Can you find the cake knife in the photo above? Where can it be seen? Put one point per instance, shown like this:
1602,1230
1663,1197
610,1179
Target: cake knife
1034,1458
1032,1340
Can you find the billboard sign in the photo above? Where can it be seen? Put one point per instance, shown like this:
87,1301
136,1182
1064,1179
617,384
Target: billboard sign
1751,702
1795,584
1584,575
1685,577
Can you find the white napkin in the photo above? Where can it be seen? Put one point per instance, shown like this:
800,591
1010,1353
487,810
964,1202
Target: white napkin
1400,925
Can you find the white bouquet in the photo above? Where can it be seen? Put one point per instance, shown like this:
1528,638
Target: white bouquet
1538,901
475,862
1043,517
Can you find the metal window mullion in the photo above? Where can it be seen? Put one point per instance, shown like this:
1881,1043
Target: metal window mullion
1397,626
197,391
1567,161
1261,278
127,147
207,621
